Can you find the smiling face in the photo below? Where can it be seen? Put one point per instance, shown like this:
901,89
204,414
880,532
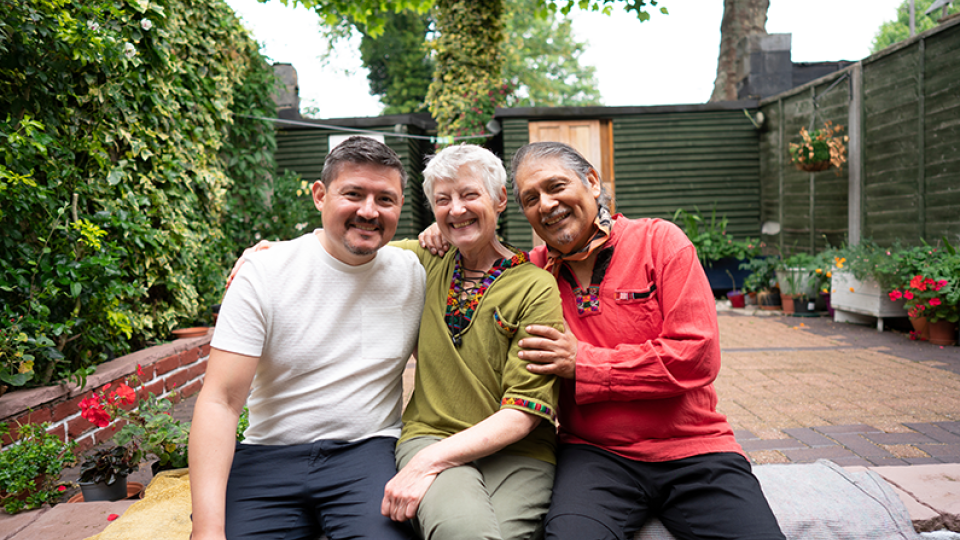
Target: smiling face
559,207
361,208
465,211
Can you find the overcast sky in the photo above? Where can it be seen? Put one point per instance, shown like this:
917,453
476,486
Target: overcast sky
669,59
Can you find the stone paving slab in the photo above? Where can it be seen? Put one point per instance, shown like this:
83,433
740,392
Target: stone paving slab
71,521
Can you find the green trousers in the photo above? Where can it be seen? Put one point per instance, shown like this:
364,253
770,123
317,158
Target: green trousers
499,497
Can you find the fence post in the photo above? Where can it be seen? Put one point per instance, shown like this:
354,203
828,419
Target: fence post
781,150
855,156
921,151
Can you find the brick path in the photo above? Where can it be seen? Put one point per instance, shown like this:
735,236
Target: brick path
797,390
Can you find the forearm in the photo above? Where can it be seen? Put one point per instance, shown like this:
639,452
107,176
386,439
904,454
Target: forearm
212,440
661,368
491,435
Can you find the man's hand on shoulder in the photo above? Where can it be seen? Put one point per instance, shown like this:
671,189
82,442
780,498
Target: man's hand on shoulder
433,240
553,352
260,246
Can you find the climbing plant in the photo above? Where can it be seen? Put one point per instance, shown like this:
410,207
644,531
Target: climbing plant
118,136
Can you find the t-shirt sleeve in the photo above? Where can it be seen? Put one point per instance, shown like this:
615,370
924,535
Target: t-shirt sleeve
521,389
241,324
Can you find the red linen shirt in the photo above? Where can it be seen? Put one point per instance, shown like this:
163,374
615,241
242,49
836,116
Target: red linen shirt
648,357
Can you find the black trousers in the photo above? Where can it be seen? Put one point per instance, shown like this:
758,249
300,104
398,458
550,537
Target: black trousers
600,495
301,491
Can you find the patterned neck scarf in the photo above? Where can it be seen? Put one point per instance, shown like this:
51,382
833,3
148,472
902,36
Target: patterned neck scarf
603,223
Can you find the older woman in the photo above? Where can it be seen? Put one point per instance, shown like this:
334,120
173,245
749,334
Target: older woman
476,454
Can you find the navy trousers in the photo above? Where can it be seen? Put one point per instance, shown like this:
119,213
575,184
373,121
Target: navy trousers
600,495
303,491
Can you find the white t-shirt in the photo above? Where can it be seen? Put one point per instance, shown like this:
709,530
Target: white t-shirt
333,340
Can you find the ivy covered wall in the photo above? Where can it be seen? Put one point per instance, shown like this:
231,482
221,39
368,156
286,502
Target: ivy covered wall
127,180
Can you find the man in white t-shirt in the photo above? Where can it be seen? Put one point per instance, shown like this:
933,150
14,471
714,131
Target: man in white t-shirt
313,336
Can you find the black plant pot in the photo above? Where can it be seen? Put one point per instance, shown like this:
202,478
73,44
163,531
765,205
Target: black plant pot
804,307
104,492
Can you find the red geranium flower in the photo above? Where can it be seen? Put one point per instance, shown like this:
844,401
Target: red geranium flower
935,302
126,394
908,295
895,295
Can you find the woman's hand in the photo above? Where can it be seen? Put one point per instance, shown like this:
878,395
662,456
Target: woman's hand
403,493
260,246
431,239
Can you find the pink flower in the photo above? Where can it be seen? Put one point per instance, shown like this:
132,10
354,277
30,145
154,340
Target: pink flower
895,295
934,302
940,284
112,517
922,307
139,370
908,295
61,488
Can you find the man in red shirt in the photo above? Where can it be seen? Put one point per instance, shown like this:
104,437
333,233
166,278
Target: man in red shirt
639,431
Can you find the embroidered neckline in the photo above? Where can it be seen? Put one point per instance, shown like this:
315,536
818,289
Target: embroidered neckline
460,310
588,300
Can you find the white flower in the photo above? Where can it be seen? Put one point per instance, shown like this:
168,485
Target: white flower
257,236
146,24
300,226
129,50
93,26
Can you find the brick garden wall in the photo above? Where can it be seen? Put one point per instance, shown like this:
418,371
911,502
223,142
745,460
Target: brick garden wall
173,370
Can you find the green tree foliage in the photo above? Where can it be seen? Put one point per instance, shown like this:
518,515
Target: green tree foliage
467,84
898,30
540,61
117,136
399,62
467,81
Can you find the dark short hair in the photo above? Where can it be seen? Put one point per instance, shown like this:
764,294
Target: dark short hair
568,158
361,151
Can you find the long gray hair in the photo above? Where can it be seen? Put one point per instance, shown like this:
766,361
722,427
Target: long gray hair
568,157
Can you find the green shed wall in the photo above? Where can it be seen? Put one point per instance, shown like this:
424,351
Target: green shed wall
664,161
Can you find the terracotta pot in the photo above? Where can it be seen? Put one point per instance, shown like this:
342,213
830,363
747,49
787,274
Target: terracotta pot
134,491
920,327
814,167
769,301
786,303
196,331
943,333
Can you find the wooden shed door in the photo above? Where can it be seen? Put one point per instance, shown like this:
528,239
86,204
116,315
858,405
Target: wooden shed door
592,138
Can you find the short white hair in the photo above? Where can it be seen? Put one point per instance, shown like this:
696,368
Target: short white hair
446,165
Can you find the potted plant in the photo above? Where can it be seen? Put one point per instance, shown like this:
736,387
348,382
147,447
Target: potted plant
148,426
820,150
719,252
159,433
794,275
761,280
103,474
934,294
30,467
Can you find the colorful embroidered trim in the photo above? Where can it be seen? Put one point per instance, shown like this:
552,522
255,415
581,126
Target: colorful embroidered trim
527,404
502,323
457,321
589,301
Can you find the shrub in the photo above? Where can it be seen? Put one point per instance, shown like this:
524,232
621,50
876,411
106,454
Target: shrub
118,133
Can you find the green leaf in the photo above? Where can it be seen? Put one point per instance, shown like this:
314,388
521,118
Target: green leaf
75,289
114,177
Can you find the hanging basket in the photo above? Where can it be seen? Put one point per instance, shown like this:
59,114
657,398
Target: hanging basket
816,166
